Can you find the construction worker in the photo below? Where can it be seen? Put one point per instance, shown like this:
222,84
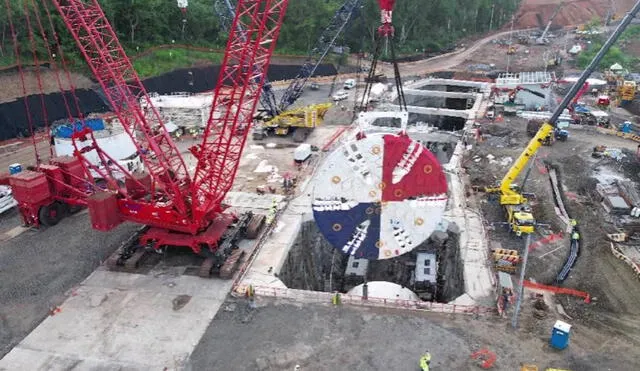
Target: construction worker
425,360
575,235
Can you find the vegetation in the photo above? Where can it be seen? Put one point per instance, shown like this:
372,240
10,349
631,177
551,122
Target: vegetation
141,24
161,61
616,54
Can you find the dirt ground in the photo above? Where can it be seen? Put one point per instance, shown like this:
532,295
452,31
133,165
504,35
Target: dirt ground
278,335
614,289
12,87
573,13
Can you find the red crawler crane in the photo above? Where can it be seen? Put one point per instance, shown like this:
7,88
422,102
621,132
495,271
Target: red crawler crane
180,209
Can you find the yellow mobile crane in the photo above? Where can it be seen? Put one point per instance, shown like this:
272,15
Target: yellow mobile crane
518,212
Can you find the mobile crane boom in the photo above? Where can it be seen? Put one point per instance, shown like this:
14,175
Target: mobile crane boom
509,195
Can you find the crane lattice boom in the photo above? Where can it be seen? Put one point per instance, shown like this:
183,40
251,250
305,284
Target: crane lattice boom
242,76
122,86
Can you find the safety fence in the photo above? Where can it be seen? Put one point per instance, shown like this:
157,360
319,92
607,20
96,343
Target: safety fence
618,254
558,290
329,144
320,297
546,240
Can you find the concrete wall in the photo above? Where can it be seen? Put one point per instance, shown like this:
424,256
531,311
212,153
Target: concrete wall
450,281
310,262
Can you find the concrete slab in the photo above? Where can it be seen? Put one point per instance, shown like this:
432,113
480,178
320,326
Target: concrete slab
123,321
247,200
440,94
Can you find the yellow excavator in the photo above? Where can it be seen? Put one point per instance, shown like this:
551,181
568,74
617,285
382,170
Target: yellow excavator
518,212
300,121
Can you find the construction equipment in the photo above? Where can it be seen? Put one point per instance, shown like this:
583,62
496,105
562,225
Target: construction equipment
553,59
323,45
179,206
385,32
276,112
317,53
628,91
512,50
519,216
301,121
574,102
513,92
542,40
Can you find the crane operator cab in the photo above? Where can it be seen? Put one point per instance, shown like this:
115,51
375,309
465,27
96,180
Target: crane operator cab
520,218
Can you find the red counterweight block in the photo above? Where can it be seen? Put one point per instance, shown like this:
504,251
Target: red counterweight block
30,187
55,177
73,170
103,211
133,187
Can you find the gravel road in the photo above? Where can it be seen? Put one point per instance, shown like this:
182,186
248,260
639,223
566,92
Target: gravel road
277,336
39,266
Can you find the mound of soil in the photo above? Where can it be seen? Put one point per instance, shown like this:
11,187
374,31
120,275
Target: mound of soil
573,13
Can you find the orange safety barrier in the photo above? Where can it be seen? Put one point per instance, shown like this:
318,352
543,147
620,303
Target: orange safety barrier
487,357
541,168
558,290
545,240
334,137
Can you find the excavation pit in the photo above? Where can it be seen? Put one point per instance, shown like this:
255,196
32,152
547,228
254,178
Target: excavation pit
433,270
439,102
421,121
297,261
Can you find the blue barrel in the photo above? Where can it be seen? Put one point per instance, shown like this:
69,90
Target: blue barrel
15,168
560,335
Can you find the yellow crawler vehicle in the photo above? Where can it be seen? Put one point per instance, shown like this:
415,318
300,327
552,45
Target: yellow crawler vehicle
300,121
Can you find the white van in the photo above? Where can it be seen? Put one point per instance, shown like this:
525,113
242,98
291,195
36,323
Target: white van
349,84
302,153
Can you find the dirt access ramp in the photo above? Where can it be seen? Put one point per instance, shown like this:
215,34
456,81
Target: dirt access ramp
573,13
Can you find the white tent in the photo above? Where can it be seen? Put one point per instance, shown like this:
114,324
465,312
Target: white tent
616,67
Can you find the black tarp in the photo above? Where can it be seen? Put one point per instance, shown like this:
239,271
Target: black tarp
14,120
199,79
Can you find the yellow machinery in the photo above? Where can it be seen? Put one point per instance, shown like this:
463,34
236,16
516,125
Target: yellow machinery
628,90
519,216
518,212
301,121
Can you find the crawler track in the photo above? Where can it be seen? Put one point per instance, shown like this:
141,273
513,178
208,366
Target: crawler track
131,257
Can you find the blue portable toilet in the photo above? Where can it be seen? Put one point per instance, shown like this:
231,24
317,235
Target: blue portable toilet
15,168
560,335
